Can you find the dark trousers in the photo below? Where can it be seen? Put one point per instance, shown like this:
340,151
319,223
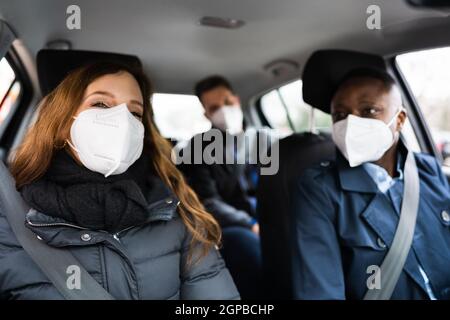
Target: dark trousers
241,251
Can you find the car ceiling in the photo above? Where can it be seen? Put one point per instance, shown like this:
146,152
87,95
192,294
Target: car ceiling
177,51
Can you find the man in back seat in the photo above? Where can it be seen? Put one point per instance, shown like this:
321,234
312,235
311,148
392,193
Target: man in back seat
226,189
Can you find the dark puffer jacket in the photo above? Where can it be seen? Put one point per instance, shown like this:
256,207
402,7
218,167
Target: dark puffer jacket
143,262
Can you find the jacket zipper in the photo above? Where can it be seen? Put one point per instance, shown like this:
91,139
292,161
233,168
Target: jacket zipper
114,235
117,234
55,224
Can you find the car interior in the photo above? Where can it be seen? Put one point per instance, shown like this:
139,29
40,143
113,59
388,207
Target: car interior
267,49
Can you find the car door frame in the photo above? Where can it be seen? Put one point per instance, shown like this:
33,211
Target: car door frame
416,116
12,49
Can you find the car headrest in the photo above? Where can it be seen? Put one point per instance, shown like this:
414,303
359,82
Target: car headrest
325,69
54,65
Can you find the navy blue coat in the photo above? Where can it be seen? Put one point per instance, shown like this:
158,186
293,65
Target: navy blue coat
343,224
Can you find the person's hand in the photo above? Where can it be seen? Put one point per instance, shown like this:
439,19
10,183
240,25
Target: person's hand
255,228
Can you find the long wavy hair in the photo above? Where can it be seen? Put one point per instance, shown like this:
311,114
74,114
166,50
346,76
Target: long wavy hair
52,129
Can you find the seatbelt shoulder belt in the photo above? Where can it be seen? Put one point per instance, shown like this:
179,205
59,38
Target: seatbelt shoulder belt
395,259
54,262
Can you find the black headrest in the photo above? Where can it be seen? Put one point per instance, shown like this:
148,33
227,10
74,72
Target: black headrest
325,69
54,65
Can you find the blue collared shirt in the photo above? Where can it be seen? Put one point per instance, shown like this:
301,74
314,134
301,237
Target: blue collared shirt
393,189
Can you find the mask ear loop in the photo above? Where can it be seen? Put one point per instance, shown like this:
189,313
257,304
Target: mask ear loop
67,141
394,117
71,145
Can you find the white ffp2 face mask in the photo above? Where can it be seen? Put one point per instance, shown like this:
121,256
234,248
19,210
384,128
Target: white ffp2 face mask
363,140
229,119
107,141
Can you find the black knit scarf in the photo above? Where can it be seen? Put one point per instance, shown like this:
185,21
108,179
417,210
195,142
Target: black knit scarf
74,193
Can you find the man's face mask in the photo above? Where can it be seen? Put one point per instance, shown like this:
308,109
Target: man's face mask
363,140
229,119
107,141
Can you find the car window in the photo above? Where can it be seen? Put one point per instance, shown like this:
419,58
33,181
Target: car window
10,89
428,75
286,111
179,116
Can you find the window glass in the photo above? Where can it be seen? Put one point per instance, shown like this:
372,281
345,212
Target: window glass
285,110
10,89
428,75
179,116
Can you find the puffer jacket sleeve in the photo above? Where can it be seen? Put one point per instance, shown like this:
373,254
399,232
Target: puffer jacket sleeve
206,278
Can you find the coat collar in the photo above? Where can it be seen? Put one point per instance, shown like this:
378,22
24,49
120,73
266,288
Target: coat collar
55,231
356,178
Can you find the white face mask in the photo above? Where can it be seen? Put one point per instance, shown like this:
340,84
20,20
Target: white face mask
229,119
107,141
363,140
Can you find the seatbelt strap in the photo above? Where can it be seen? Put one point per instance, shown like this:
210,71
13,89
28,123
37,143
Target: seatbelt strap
54,262
395,259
